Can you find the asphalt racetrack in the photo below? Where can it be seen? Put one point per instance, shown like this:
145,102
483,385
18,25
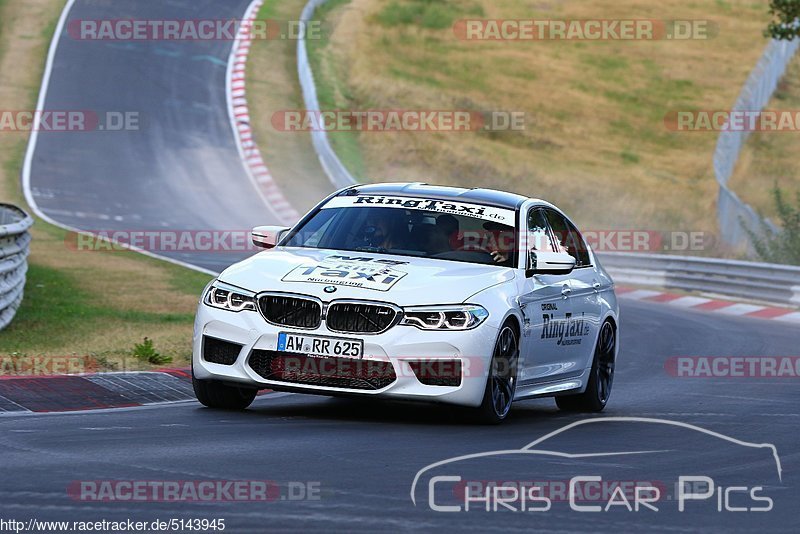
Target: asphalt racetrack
179,169
357,460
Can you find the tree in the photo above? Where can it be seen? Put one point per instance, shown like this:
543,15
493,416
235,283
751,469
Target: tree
784,246
784,25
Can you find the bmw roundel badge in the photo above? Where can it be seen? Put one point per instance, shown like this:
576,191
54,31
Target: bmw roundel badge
329,289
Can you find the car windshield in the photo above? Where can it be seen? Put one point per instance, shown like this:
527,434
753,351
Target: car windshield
403,226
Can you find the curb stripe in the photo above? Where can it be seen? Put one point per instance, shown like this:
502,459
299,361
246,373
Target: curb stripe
689,302
640,294
714,305
663,297
769,313
793,317
740,309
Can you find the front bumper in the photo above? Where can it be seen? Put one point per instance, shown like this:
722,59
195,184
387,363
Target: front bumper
399,346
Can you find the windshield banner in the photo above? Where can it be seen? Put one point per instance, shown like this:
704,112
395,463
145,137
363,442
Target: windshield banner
478,211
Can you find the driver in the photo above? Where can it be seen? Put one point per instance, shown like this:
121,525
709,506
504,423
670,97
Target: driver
386,228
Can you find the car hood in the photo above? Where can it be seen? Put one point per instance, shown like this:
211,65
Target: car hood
330,274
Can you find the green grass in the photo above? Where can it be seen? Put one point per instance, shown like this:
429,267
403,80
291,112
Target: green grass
186,281
48,30
56,313
11,167
2,44
629,157
428,14
410,76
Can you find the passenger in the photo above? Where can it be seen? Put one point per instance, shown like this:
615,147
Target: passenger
502,241
444,236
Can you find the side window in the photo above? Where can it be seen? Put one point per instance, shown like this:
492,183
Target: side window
569,239
538,232
312,233
582,249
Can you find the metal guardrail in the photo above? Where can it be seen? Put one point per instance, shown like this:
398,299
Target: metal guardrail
765,282
331,164
739,279
756,93
14,247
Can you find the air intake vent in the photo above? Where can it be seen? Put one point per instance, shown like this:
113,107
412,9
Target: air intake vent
219,351
348,373
286,310
437,372
360,318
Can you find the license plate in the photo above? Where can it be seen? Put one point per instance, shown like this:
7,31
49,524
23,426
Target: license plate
320,345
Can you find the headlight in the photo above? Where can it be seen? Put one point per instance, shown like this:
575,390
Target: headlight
460,317
231,298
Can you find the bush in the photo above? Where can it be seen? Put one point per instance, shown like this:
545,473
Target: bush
784,23
146,352
784,246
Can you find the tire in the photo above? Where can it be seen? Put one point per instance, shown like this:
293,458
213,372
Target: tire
501,381
215,394
601,377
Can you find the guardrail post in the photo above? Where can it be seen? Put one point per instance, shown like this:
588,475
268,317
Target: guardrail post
796,297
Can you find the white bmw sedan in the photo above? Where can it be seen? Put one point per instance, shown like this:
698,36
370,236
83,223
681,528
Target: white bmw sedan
471,297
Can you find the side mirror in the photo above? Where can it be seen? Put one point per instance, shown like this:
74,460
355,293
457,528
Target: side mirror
549,263
268,236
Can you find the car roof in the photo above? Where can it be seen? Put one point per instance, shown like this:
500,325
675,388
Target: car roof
488,197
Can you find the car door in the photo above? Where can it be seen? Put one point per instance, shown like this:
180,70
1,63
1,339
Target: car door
545,300
583,324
